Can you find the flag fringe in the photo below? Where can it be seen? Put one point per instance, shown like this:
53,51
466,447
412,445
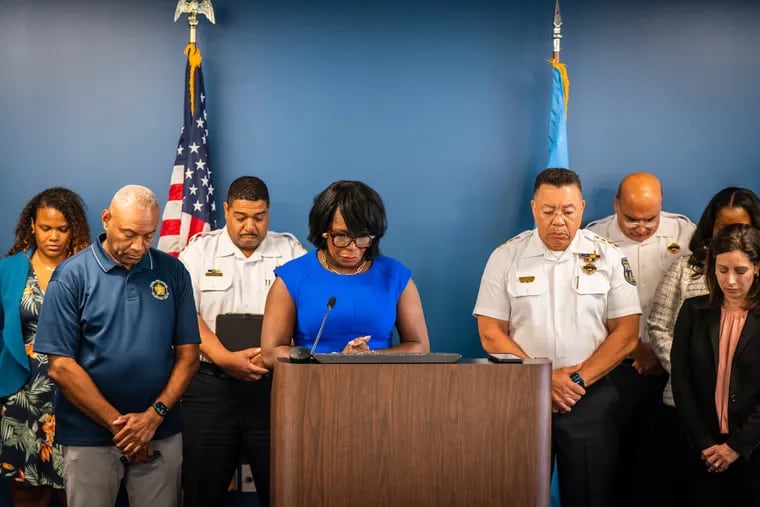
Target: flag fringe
565,80
194,58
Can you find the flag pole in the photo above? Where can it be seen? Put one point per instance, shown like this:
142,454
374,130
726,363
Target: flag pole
192,9
557,32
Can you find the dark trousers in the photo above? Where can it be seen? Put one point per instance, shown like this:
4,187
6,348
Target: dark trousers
584,441
642,478
223,418
675,461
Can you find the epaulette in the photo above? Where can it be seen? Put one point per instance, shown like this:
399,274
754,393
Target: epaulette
522,235
202,234
603,239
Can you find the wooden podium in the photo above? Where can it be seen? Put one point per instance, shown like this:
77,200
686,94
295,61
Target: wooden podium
466,434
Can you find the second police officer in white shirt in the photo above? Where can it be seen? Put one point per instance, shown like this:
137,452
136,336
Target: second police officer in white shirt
226,407
651,240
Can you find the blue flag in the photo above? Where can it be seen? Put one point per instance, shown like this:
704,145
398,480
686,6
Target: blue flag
558,156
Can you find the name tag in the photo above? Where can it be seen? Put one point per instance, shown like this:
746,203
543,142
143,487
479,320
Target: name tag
526,279
214,272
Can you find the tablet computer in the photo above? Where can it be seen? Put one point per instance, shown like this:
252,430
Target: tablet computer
238,331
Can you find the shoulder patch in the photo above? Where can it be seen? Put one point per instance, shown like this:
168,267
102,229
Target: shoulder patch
627,271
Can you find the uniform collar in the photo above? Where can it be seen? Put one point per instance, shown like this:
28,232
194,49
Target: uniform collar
227,248
537,248
106,263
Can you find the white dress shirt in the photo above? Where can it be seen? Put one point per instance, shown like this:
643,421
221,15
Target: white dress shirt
557,303
649,259
226,281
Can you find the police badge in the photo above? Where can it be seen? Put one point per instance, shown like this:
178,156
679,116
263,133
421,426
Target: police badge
627,271
159,289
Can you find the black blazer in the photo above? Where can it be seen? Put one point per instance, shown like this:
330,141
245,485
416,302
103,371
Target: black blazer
694,368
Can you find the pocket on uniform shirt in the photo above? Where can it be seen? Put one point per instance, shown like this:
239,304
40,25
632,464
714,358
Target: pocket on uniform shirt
591,304
527,284
215,283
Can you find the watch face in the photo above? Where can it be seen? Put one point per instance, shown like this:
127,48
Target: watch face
161,408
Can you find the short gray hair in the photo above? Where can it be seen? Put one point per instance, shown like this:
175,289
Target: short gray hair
135,196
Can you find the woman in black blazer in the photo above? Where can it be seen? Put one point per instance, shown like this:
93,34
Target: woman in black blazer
716,373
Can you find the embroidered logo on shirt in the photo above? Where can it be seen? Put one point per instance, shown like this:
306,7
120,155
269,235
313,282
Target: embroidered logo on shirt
159,289
214,272
674,248
526,279
627,271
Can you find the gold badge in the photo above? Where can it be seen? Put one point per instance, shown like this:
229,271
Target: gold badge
214,272
526,279
159,289
674,248
589,268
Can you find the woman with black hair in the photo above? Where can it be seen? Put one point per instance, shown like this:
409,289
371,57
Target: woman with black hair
716,381
686,279
373,293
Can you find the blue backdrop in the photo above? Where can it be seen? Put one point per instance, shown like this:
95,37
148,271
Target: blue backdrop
442,106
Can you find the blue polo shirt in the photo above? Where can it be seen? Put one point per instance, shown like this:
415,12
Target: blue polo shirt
120,325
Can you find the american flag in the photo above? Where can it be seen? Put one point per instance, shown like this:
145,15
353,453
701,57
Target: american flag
190,208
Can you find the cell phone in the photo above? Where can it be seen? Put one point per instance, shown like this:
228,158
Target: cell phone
504,358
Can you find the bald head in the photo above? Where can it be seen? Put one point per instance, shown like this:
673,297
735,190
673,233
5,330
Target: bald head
134,196
638,204
130,223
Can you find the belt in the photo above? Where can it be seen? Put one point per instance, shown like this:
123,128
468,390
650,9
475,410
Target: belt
213,370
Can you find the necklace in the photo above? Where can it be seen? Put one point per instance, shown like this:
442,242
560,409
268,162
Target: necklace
39,262
323,258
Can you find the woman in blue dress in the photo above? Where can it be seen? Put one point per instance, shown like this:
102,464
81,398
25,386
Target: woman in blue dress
373,293
51,228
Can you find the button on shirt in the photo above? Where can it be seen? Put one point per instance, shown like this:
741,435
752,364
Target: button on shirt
226,281
557,304
649,259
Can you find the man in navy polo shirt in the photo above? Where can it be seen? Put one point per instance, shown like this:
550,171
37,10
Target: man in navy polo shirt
121,335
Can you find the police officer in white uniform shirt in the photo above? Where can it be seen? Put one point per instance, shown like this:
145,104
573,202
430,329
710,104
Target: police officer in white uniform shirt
568,295
651,240
226,407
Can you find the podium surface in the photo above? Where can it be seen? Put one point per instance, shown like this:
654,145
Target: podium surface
465,434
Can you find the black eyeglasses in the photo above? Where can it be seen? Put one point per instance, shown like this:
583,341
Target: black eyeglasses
341,240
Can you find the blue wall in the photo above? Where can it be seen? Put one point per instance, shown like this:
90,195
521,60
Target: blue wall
440,105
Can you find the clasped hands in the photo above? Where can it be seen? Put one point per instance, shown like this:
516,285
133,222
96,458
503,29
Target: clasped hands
565,392
357,345
134,432
246,365
645,361
718,457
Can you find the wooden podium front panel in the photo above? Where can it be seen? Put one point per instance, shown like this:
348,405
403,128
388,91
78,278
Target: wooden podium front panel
466,434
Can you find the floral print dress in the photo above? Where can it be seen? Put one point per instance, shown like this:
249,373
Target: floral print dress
27,425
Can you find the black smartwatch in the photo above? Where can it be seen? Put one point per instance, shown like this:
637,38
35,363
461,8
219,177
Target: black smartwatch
160,409
576,377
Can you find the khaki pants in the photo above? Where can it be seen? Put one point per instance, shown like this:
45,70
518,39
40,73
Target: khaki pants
93,474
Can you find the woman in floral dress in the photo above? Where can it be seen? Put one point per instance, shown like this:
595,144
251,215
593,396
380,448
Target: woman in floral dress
52,227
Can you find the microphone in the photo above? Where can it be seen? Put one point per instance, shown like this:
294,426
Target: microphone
301,354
